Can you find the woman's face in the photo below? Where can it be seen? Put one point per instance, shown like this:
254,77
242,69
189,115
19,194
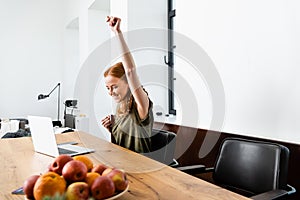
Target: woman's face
117,88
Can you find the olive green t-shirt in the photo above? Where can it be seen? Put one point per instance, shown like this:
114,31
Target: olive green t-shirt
133,133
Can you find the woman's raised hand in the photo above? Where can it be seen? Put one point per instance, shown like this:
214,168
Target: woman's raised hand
114,23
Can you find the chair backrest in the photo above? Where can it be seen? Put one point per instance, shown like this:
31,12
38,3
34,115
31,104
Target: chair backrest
251,166
162,146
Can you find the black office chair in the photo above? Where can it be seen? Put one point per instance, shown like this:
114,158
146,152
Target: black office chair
252,168
23,131
163,145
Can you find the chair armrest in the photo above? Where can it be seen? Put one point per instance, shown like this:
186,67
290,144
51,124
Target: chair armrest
291,189
273,194
193,169
174,164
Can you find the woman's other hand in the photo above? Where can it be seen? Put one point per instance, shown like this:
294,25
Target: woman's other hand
107,122
114,23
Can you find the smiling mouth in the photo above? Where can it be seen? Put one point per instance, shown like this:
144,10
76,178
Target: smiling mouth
116,97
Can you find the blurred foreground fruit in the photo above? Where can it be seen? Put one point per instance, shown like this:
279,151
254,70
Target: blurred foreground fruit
119,178
86,160
91,177
106,171
49,184
75,178
59,162
29,185
78,191
103,187
74,171
99,168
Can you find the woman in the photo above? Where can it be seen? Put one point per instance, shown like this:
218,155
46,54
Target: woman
131,127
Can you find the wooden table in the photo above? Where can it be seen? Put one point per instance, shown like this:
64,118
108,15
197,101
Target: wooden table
148,179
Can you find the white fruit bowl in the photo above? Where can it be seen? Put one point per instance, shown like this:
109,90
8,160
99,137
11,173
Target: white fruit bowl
118,194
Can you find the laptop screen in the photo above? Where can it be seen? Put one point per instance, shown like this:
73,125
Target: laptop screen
42,134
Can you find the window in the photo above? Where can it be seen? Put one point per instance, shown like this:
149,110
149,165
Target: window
170,61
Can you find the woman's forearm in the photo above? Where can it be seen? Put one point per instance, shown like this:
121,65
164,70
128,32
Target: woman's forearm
128,63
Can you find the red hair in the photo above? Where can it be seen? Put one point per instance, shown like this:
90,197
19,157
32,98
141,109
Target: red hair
117,70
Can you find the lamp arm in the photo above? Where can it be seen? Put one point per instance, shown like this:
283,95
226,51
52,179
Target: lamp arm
58,101
58,84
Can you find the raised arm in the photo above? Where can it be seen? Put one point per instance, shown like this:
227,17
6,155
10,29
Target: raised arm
140,96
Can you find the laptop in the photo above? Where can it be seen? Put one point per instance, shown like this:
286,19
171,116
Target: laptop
44,141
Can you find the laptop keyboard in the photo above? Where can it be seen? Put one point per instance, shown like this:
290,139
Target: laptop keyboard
65,151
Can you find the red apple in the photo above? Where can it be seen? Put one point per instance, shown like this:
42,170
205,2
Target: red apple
78,191
103,187
106,171
29,185
59,162
74,171
119,178
99,168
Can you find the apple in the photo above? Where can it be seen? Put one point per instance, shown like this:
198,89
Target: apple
103,187
99,168
74,171
29,185
119,178
59,162
77,191
106,171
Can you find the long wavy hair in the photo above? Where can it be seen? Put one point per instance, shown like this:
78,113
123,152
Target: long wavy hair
117,70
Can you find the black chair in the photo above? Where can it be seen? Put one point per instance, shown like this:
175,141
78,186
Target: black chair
253,168
23,131
163,145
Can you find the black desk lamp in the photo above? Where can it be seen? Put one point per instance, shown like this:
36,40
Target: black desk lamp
42,96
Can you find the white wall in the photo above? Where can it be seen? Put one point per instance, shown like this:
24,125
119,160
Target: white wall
85,30
43,43
152,70
254,47
251,45
31,56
